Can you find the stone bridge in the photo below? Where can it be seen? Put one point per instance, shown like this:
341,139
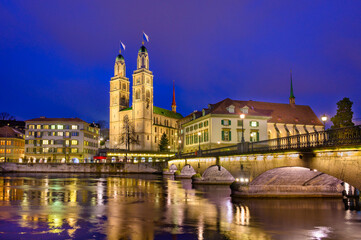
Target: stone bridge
344,164
333,152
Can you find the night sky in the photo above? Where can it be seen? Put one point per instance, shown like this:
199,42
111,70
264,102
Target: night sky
57,57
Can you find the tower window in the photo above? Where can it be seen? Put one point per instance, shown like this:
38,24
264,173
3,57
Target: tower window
137,94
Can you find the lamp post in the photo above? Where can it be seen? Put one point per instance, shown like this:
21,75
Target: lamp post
242,116
324,120
199,141
179,147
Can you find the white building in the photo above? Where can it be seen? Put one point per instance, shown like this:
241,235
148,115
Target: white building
221,125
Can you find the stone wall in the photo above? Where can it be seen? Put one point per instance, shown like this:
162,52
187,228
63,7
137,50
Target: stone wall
84,167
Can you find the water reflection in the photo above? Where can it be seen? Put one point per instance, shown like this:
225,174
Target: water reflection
150,207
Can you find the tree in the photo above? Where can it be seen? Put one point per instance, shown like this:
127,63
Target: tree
6,116
343,117
163,145
128,135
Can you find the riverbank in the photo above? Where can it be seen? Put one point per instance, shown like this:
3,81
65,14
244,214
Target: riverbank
155,168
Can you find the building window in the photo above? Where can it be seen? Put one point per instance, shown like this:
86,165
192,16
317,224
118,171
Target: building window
67,134
75,134
74,150
155,129
46,126
60,134
226,122
38,126
74,127
52,126
226,135
46,142
59,150
244,110
254,137
74,142
60,127
31,126
2,142
254,123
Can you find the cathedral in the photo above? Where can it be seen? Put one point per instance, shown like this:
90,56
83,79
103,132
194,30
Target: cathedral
147,121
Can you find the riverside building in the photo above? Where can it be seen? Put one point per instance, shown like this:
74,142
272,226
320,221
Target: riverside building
148,121
60,140
229,122
11,144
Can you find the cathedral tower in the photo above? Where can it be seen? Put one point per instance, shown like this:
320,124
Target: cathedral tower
119,96
143,100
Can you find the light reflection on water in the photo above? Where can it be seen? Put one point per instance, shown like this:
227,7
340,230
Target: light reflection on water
149,207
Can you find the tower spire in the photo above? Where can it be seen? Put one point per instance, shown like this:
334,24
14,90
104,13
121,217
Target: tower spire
174,105
292,96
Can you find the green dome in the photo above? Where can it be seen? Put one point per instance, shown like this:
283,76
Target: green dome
119,58
142,49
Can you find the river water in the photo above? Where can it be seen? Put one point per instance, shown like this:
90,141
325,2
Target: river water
60,206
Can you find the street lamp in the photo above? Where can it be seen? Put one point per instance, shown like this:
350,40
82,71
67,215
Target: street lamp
324,120
199,140
168,148
242,116
179,146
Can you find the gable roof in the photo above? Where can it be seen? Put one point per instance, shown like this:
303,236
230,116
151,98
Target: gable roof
279,112
10,132
166,113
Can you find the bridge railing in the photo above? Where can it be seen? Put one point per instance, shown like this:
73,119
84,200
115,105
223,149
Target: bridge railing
328,138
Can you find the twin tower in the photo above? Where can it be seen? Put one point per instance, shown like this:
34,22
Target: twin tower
143,114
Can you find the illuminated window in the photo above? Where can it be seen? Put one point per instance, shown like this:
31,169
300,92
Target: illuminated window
46,142
226,135
38,126
254,124
60,127
8,150
46,126
74,126
59,150
2,150
45,150
67,142
2,142
254,137
8,143
74,142
74,150
67,134
52,126
60,134
31,126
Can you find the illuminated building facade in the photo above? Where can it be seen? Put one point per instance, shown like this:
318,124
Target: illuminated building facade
11,144
221,124
56,139
149,121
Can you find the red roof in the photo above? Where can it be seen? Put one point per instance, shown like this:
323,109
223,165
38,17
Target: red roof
10,132
44,119
279,112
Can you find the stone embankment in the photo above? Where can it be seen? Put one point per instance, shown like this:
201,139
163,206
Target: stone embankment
83,167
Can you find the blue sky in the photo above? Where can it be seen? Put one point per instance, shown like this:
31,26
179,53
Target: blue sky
57,57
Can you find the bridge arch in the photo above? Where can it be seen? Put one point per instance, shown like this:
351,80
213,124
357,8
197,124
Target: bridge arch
290,181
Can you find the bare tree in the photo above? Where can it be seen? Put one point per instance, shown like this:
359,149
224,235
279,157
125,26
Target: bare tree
128,135
6,116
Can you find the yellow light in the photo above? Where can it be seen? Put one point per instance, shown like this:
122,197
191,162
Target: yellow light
242,116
